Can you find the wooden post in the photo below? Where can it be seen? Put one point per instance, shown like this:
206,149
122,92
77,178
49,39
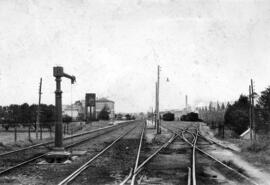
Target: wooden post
38,113
40,129
29,132
156,107
152,116
253,113
223,131
90,116
15,133
250,114
50,131
158,116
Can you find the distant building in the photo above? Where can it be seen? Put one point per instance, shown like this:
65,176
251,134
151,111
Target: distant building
104,102
71,110
77,110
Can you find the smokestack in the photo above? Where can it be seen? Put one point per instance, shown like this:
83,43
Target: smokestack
186,102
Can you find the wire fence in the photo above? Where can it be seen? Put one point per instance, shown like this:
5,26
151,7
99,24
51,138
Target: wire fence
14,132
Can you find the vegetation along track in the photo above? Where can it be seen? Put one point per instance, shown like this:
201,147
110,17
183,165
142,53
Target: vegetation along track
112,163
14,159
232,174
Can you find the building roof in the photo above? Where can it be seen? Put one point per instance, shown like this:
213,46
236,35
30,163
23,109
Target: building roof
104,100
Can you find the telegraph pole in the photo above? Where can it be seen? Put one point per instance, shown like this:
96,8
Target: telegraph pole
252,112
156,105
157,108
152,115
38,111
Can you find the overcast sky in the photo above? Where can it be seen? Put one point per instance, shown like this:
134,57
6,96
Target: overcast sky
209,49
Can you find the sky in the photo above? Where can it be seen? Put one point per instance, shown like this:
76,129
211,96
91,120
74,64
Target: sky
207,49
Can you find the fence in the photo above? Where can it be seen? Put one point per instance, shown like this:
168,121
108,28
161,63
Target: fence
14,132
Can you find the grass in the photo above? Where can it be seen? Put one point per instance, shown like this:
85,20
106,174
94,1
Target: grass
257,153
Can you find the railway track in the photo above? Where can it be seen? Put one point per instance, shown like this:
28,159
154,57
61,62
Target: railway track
65,139
123,141
14,159
193,140
139,165
130,159
146,162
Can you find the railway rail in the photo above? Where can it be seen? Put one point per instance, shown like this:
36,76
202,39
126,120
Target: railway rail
138,168
51,142
191,138
209,140
131,177
181,133
69,179
70,145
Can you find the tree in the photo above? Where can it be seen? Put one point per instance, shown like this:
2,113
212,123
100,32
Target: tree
104,113
14,114
80,117
210,106
222,106
25,116
237,115
6,119
264,104
262,112
218,107
128,116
